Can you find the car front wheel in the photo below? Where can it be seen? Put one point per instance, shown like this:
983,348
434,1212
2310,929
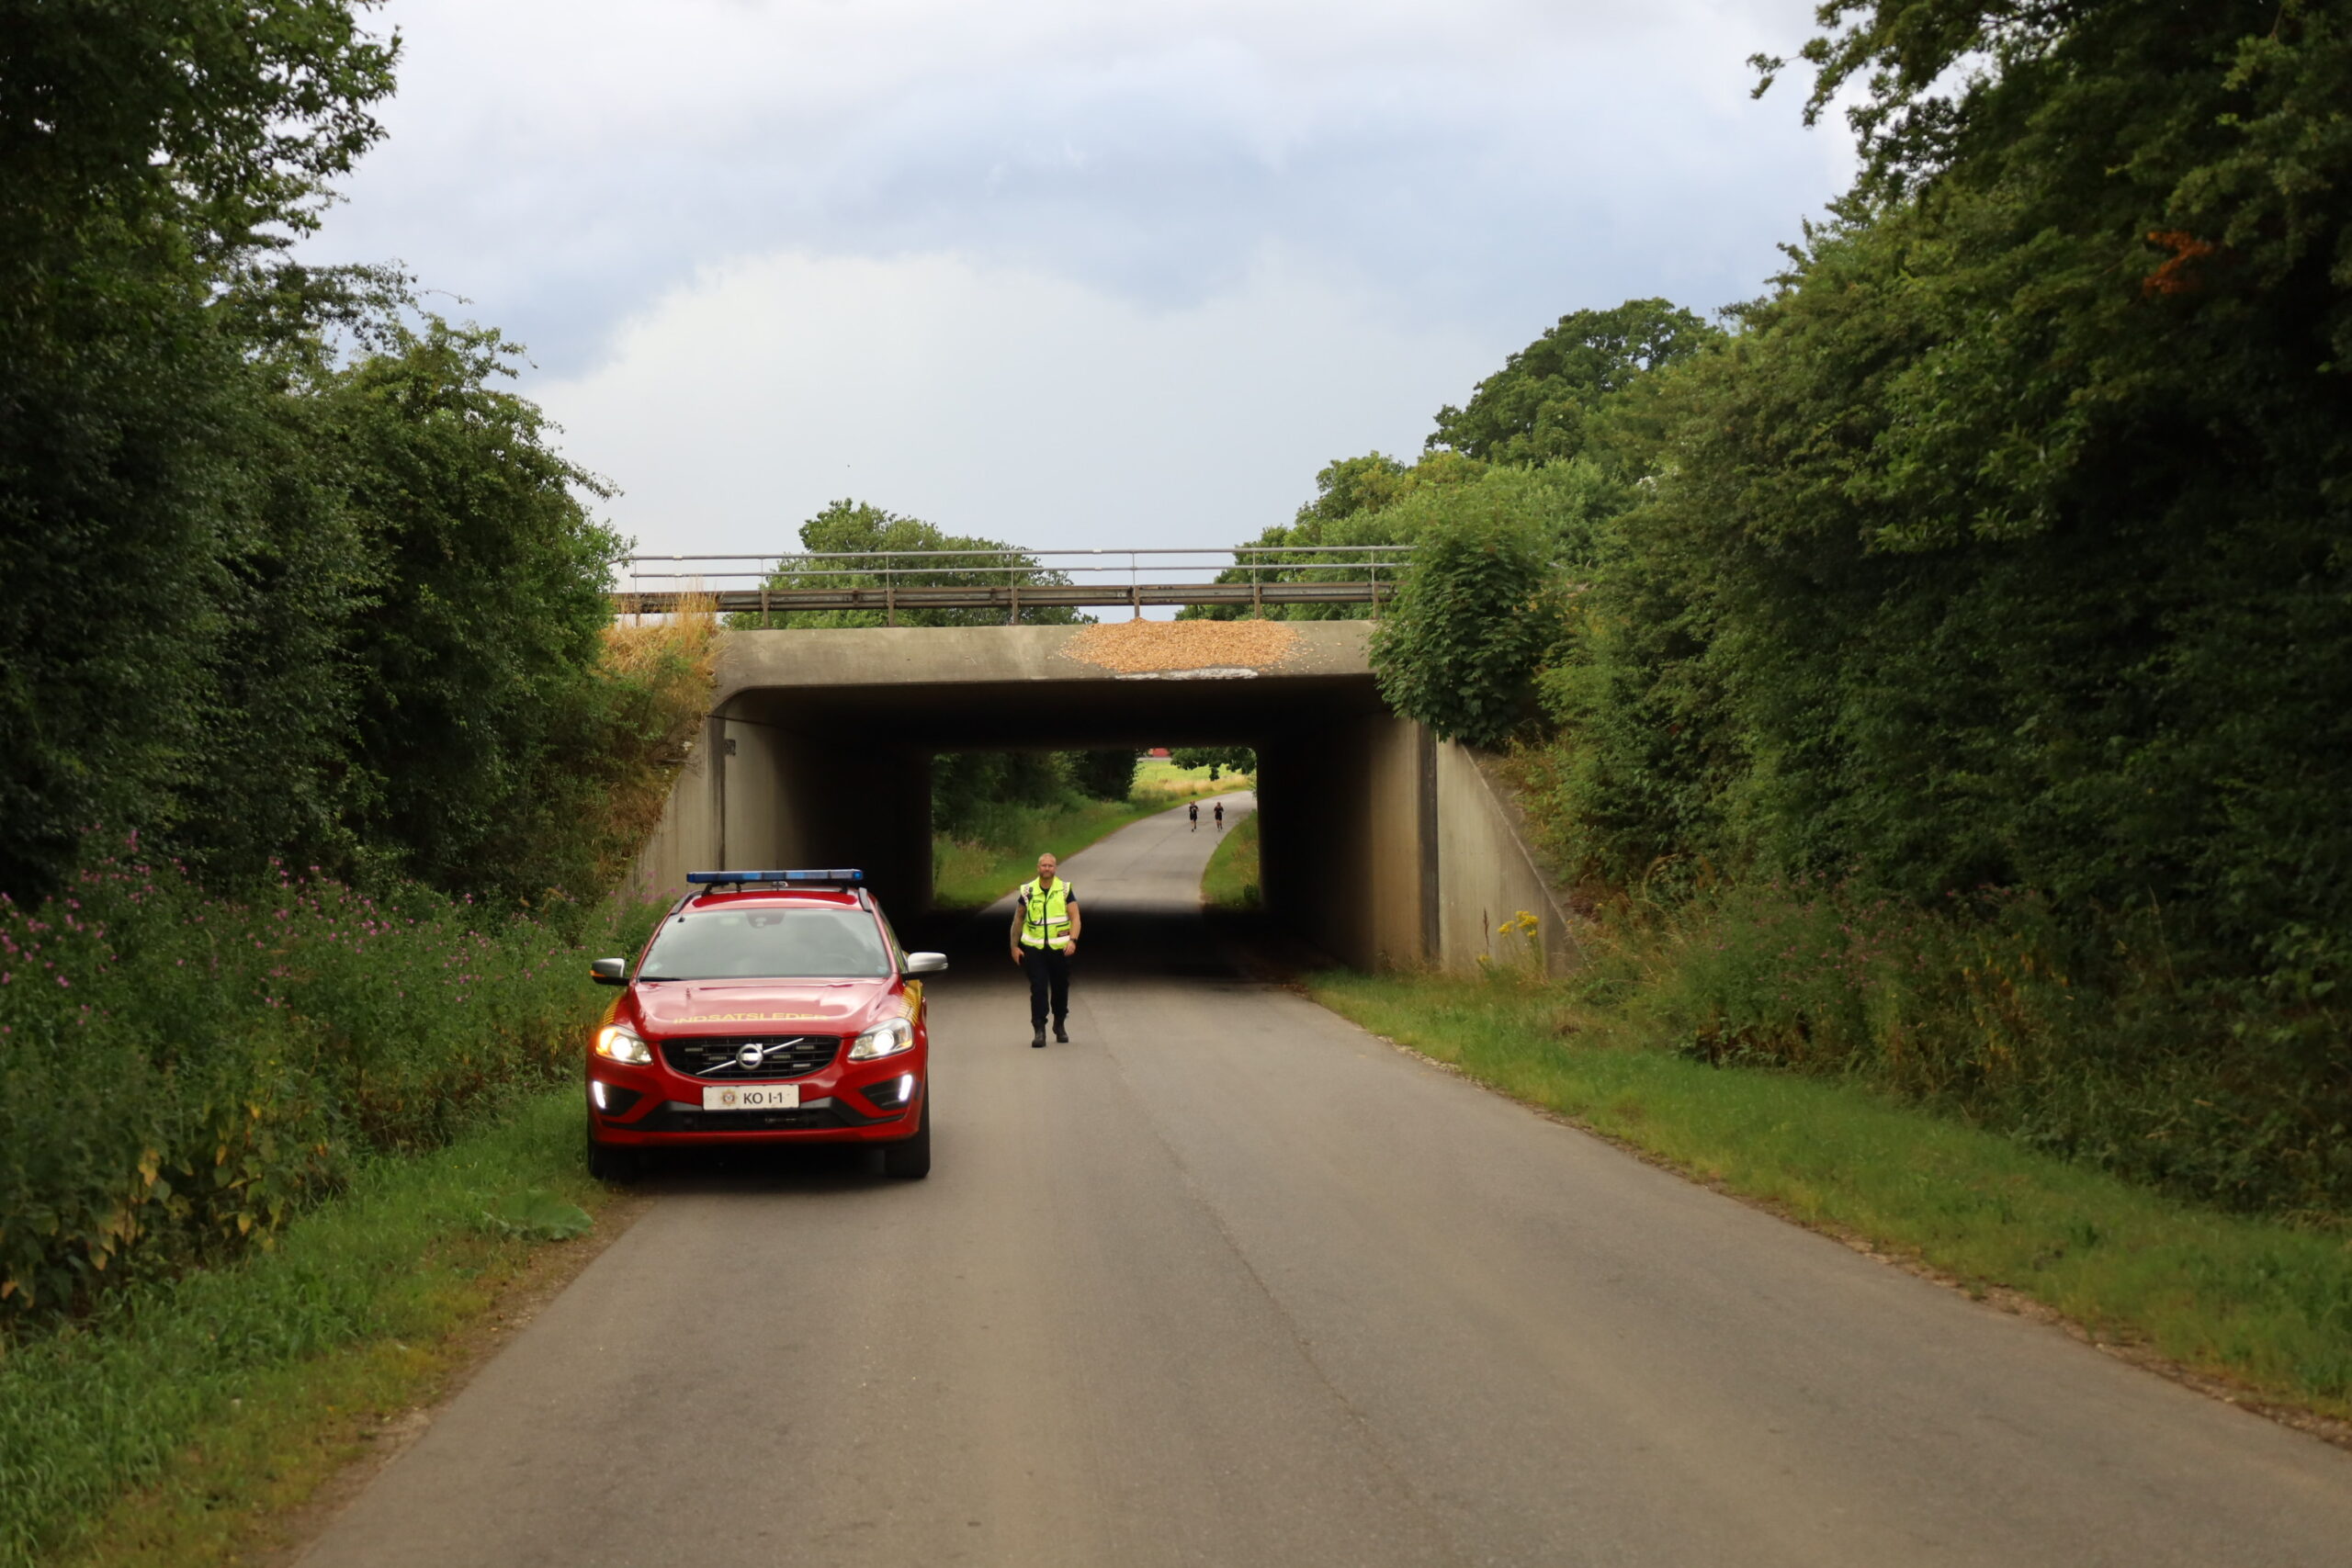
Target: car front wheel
911,1159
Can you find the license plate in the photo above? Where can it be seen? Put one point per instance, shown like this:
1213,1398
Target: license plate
752,1097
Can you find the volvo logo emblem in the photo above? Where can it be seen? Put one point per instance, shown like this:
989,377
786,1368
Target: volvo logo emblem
748,1057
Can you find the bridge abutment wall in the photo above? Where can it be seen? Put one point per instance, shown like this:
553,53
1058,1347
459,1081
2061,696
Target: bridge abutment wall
755,794
1388,848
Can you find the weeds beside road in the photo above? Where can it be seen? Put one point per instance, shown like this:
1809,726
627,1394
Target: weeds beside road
181,1073
238,1134
184,1415
1230,881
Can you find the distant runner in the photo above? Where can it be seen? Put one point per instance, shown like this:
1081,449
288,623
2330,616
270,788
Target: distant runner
1045,934
1195,809
1220,817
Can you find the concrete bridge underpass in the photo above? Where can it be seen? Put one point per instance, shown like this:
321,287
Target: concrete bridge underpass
1381,844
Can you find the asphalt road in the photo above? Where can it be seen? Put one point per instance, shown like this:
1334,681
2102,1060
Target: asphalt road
1226,1281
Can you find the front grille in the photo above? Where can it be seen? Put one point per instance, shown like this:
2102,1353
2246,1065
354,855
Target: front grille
715,1057
675,1116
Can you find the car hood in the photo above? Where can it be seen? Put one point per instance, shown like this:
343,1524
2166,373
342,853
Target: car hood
758,1007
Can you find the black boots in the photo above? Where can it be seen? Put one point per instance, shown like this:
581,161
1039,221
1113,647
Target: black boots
1061,1035
1039,1038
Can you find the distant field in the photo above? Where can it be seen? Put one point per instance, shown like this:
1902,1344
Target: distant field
1161,782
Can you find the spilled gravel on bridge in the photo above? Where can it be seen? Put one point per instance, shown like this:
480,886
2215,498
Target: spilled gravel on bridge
1144,646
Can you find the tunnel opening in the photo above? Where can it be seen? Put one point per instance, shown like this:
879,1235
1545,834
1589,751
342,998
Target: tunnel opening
819,743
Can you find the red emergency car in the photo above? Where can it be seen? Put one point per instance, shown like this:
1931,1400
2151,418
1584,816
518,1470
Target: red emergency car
768,1008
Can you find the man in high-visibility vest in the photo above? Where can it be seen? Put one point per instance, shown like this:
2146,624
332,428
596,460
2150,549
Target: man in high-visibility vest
1045,934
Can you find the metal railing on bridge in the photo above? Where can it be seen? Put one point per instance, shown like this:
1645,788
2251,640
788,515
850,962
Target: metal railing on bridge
1241,577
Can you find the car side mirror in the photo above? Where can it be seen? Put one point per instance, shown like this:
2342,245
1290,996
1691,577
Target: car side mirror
926,963
609,971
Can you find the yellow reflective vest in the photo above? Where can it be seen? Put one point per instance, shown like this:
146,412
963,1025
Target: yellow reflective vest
1045,918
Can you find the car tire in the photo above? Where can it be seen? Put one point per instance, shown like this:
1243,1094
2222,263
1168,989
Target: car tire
607,1164
910,1159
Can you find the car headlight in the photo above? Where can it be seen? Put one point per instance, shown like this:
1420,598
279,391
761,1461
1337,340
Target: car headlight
619,1042
887,1038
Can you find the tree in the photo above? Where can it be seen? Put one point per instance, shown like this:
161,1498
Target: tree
152,153
1576,401
1354,506
2015,521
1104,774
1537,407
1215,759
2004,545
849,526
477,652
991,796
1459,647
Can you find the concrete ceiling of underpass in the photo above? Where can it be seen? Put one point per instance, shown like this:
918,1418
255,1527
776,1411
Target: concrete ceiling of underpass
945,688
1156,713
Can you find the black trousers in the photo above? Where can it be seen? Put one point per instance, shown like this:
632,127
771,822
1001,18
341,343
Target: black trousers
1049,967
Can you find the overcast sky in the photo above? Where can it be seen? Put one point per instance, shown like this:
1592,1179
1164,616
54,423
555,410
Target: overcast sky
1064,272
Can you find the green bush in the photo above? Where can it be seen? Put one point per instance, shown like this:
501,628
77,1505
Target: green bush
1240,759
1103,775
985,797
1548,402
1995,568
900,545
157,153
180,1072
211,1387
1478,611
2082,1037
290,574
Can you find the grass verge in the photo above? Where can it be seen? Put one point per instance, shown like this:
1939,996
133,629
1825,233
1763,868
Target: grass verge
180,1422
2262,1307
971,876
1231,880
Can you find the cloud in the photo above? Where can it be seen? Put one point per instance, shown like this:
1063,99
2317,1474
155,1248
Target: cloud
1061,271
999,401
1491,162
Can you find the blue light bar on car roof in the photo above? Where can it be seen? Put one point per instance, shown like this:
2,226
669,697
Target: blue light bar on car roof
843,876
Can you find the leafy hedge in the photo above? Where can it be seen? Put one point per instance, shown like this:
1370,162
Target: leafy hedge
180,1072
290,573
1957,688
2082,1034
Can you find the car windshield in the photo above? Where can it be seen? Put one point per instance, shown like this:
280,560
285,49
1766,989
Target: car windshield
767,944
